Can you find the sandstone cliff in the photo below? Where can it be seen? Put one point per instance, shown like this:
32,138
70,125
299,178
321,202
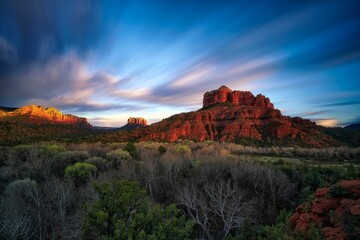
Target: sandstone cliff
140,121
229,115
38,115
237,98
133,123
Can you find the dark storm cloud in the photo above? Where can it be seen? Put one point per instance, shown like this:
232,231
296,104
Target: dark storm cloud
41,28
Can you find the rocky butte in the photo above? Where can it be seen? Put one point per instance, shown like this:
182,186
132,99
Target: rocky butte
139,121
230,115
236,98
134,122
38,115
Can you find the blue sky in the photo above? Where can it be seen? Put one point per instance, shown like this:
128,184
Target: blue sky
109,60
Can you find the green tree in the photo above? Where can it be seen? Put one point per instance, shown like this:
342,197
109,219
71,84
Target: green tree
99,162
116,157
162,149
130,148
123,212
64,159
80,172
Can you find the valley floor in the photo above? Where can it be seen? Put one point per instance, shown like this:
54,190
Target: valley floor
152,190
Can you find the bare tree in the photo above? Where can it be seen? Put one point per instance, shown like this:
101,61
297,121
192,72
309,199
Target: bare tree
15,217
216,202
228,202
149,172
59,194
196,205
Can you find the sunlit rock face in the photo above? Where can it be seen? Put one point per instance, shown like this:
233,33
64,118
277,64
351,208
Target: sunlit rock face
33,114
238,98
134,122
229,115
140,121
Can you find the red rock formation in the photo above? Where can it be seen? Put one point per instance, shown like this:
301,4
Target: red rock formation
140,121
228,115
134,123
239,98
33,114
331,214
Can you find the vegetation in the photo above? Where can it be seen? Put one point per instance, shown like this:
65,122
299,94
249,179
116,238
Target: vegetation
204,190
80,172
123,212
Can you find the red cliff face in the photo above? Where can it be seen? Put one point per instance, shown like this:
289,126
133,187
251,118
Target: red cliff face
134,123
242,116
137,121
38,115
237,98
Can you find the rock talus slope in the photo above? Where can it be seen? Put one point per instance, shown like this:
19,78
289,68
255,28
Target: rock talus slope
335,210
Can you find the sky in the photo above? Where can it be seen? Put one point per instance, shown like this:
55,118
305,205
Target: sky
110,60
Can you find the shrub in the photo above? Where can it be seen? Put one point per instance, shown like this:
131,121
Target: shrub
123,212
337,191
116,157
130,148
20,186
51,149
279,162
99,162
64,159
25,152
80,172
162,149
183,149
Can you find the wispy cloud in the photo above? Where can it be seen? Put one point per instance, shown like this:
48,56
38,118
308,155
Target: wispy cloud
160,57
314,113
338,104
8,53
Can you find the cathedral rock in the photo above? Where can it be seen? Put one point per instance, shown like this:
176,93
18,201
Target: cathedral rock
230,115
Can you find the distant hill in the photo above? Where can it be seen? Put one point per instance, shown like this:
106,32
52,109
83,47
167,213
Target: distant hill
7,109
354,126
36,123
38,115
226,115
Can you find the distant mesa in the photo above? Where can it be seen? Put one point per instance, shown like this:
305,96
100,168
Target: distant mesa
139,121
38,115
134,122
